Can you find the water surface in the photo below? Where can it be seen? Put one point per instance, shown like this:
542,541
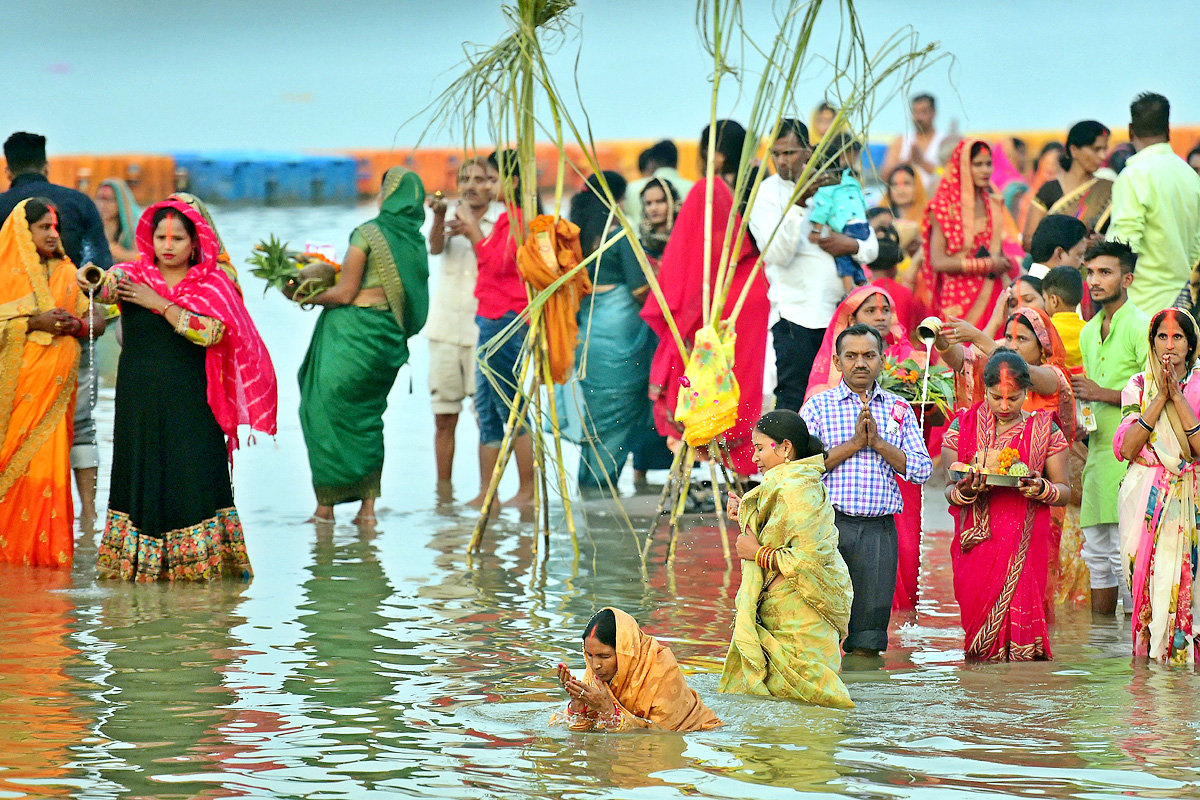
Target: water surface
365,664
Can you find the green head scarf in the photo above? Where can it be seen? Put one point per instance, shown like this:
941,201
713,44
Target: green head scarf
127,211
398,248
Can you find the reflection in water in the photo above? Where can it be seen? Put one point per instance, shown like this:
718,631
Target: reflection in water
162,700
357,665
41,714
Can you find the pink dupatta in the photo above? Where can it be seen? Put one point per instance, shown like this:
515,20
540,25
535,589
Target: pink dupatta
824,374
241,379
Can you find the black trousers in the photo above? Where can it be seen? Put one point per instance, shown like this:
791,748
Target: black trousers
868,545
795,351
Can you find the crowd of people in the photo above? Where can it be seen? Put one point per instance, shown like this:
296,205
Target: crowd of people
1058,291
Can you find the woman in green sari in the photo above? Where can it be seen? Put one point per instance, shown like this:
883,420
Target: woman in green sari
360,342
793,606
120,213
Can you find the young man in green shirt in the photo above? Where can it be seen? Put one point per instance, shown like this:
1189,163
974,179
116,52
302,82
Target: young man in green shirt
1114,344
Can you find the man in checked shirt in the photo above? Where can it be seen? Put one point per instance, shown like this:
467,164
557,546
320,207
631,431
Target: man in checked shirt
872,436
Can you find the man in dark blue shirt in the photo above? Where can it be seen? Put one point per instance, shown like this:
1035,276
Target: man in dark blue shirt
79,222
83,239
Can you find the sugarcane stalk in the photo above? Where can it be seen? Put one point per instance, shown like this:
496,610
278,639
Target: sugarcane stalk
510,433
541,497
689,459
562,472
720,509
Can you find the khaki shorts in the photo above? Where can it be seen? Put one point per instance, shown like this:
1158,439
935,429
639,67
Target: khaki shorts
451,376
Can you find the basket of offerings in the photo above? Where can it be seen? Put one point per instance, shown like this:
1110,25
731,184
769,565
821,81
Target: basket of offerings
999,467
934,391
300,276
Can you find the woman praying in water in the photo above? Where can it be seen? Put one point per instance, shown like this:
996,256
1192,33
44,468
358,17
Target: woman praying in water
793,607
1160,520
632,681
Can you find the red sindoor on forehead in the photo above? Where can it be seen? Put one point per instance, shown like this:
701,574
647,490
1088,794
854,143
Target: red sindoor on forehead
1007,383
1170,324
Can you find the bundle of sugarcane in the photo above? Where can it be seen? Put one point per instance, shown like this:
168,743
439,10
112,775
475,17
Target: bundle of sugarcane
300,276
501,89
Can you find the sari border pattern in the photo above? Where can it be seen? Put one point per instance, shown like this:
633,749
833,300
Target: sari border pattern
210,549
389,274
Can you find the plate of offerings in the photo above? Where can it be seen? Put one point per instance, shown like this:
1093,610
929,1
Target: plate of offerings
999,468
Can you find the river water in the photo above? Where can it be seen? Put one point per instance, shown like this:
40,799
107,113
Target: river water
358,665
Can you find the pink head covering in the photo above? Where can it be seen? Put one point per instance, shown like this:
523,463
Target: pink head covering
241,379
824,374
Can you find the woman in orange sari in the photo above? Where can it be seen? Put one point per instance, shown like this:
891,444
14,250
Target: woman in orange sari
40,306
964,267
632,682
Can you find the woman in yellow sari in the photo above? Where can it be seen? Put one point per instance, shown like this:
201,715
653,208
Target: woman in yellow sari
632,682
793,607
40,306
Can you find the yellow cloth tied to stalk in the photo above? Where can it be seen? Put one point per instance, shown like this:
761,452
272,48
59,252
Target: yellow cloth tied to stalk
550,250
708,399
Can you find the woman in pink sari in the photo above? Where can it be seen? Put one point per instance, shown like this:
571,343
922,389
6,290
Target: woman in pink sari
873,305
1159,509
682,280
1001,547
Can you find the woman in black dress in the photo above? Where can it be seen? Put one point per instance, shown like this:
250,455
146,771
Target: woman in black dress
192,368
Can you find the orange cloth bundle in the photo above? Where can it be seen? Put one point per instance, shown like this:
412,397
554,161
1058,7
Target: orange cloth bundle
551,249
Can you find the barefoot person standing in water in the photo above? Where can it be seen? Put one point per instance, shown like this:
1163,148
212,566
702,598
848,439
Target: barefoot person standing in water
873,438
452,332
358,346
193,368
500,291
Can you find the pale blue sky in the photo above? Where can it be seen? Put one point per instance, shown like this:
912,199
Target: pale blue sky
139,75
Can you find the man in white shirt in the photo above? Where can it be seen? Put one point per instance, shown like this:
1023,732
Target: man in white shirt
451,327
804,287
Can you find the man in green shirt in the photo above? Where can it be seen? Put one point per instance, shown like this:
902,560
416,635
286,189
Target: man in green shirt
1156,207
1114,344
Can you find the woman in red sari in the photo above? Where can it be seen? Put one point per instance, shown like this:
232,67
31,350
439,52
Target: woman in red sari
682,278
873,305
963,273
1001,547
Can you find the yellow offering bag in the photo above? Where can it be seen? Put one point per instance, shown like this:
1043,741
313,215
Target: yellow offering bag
708,398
